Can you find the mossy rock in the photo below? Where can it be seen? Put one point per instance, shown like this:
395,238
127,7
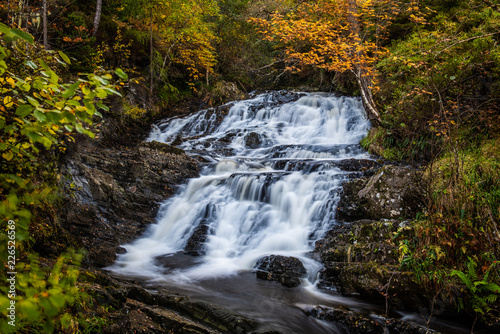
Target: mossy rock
393,192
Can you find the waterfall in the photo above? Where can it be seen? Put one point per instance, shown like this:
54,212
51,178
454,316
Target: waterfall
272,188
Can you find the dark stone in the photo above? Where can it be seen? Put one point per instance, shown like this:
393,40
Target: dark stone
356,323
393,192
165,148
197,240
252,140
112,195
283,269
360,260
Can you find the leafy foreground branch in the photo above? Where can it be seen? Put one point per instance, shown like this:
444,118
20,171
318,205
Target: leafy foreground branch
39,114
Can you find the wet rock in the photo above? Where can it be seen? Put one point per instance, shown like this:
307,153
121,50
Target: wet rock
197,240
283,269
252,140
365,167
356,323
138,310
393,192
112,195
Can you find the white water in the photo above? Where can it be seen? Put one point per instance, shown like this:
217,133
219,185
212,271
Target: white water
251,209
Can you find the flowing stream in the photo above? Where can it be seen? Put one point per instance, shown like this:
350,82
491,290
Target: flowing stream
270,187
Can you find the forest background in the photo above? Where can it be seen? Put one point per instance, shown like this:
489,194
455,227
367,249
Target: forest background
427,71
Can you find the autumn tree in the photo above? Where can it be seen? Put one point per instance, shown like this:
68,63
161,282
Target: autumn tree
181,34
339,36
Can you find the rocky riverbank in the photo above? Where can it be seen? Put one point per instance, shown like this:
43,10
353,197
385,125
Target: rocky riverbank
113,192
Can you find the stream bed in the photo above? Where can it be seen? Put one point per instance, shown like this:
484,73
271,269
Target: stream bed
270,186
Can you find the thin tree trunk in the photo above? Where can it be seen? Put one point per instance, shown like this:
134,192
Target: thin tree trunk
361,76
97,17
151,65
367,97
21,9
44,23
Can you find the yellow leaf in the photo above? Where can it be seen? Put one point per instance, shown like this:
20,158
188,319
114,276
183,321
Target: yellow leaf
11,81
8,155
7,101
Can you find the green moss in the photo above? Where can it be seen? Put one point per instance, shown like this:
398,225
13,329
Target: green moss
377,142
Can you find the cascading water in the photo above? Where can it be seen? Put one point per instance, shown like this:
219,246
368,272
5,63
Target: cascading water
271,188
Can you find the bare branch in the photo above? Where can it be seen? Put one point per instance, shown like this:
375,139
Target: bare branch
492,5
466,40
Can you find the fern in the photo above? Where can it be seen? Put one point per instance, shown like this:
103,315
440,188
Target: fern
483,293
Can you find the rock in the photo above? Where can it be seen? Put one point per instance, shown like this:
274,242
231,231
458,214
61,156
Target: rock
112,195
362,166
356,323
143,311
252,140
286,270
144,318
393,192
360,260
195,243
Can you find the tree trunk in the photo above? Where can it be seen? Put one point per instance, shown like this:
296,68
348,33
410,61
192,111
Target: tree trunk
151,65
97,17
367,97
363,79
44,23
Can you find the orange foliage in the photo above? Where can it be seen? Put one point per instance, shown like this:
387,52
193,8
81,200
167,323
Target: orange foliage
340,35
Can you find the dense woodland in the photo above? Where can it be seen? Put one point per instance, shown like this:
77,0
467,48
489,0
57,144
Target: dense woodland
428,72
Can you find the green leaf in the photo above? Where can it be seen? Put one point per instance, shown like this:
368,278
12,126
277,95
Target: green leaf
33,102
28,309
31,64
48,326
79,127
4,29
39,116
44,65
64,57
101,93
71,90
58,301
24,110
45,141
71,118
111,91
90,108
53,76
66,320
121,74
102,106
23,35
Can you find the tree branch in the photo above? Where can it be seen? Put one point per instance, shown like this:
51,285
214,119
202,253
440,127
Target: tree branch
492,5
466,40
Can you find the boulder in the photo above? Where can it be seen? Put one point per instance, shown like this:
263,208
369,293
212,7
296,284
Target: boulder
392,192
283,269
360,259
112,195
